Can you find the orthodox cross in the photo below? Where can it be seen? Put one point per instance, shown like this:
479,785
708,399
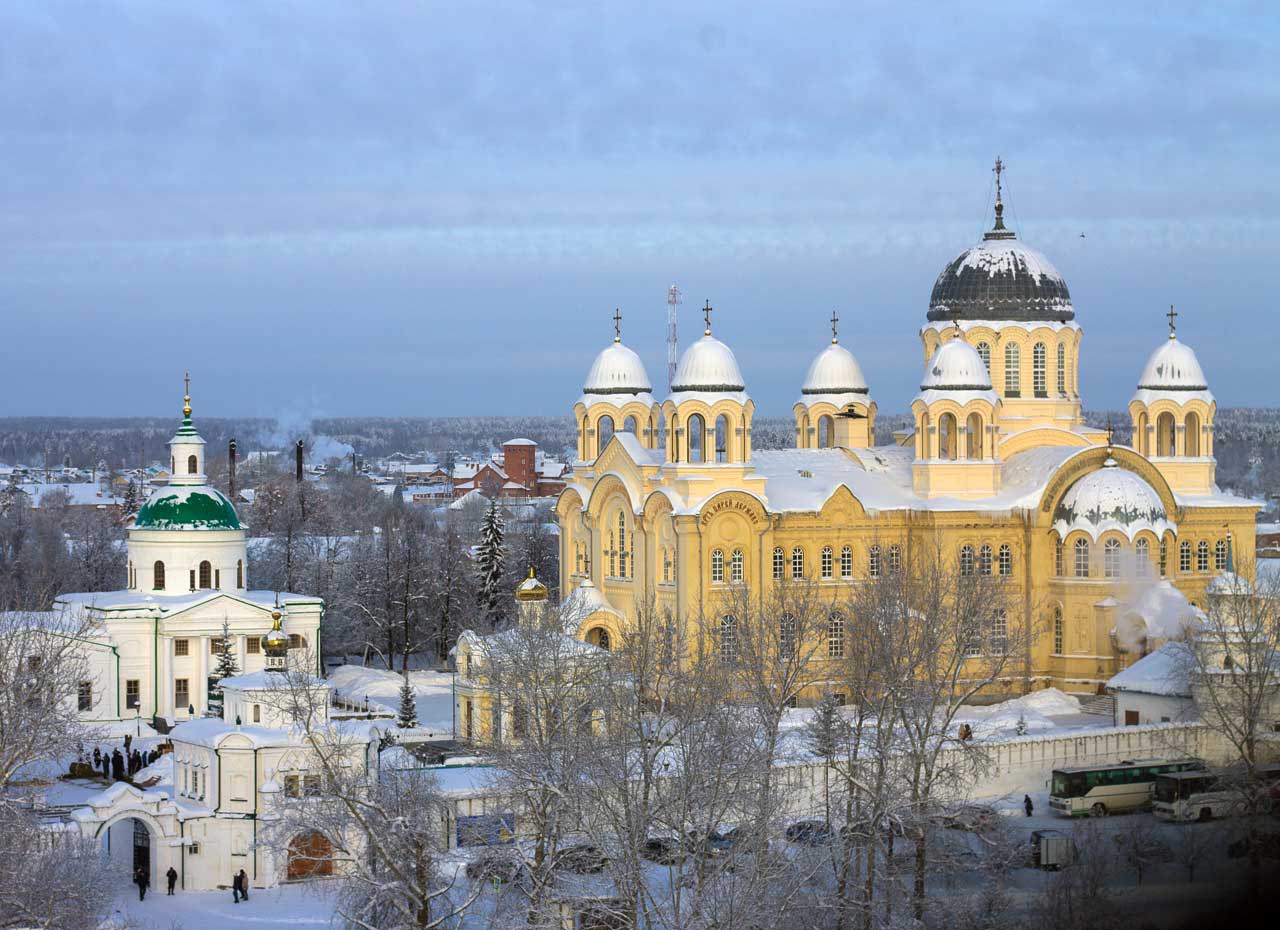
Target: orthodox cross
1110,432
835,319
1172,315
706,314
617,325
998,169
186,399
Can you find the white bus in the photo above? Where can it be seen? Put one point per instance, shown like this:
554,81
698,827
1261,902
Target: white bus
1099,790
1185,796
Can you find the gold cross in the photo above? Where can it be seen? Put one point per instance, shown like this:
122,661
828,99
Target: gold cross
706,314
617,325
834,320
186,400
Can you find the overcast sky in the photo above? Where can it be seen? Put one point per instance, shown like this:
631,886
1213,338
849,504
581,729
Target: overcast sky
433,208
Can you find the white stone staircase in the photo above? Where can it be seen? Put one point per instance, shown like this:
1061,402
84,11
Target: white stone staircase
1101,704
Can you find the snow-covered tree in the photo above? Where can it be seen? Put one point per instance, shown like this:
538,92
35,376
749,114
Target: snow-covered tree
407,715
491,566
129,506
225,668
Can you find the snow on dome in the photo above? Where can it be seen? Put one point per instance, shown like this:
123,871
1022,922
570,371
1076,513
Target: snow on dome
1001,279
1173,367
1111,498
617,370
708,365
834,371
198,507
956,366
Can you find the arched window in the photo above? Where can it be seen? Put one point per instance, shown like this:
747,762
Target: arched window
206,575
1059,567
947,436
873,561
973,436
1057,631
697,438
193,467
717,566
1220,555
582,440
622,545
1111,558
1062,369
1038,382
722,438
1202,556
1000,631
826,432
797,562
1166,435
1184,556
599,637
835,637
1142,555
728,645
827,564
1012,370
779,563
604,432
786,636
735,566
846,562
239,573
1191,434
157,571
966,560
984,560
1082,558
1164,558
628,426
895,559
1140,435
1006,560
666,564
984,352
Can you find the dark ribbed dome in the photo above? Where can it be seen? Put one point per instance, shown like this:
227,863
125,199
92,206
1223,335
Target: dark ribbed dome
1001,279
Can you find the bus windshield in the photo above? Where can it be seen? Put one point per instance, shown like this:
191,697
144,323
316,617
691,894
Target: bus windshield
1068,784
1169,790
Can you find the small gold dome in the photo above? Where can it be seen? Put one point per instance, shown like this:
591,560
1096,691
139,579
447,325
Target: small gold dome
531,589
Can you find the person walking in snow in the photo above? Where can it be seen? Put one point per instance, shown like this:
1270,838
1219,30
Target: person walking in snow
106,765
1027,805
244,884
172,876
142,880
97,758
235,888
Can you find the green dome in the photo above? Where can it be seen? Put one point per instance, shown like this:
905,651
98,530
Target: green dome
187,508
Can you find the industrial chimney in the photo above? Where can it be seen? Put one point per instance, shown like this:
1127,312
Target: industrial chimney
231,468
297,460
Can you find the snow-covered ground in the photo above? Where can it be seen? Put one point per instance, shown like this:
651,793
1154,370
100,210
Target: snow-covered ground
302,907
433,692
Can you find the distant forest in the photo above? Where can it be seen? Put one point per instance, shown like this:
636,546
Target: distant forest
1248,438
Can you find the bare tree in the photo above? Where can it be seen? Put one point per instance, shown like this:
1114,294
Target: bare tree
1232,660
54,879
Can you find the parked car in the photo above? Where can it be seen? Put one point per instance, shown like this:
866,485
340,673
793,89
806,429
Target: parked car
746,836
707,842
583,858
664,850
809,832
496,865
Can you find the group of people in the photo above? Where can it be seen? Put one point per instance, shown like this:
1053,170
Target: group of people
142,878
119,766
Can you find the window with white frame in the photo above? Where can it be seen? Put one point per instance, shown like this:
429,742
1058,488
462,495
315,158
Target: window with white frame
1142,555
1184,556
1111,558
1082,558
846,562
984,560
1006,559
797,563
736,566
966,561
717,566
779,563
828,562
835,636
728,644
895,559
873,561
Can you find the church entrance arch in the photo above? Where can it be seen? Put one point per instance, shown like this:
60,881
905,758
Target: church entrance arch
310,856
129,843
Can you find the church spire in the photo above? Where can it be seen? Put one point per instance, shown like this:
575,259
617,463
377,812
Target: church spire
186,396
998,231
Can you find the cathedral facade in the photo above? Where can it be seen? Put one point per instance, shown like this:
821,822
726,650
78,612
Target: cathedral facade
670,505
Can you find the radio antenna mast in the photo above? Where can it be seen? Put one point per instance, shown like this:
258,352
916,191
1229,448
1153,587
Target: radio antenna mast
673,301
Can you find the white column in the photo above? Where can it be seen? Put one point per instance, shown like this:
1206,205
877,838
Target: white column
201,696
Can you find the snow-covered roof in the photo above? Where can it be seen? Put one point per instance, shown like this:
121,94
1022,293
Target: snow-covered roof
80,494
956,366
585,600
617,370
1111,498
172,603
1173,366
708,365
834,371
270,681
519,442
998,279
1164,672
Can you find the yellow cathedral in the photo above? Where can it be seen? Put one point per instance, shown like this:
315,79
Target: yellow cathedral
671,506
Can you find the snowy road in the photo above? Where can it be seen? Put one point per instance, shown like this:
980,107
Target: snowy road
301,907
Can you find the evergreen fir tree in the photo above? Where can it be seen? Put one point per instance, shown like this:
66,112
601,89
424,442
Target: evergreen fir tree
407,716
225,668
490,566
825,726
130,503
